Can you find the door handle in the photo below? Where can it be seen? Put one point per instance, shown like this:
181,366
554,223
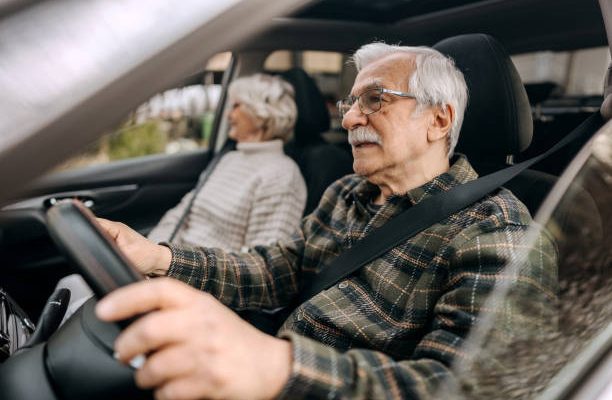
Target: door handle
98,198
87,201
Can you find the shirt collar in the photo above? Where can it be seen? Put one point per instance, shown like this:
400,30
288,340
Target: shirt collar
460,172
269,146
363,192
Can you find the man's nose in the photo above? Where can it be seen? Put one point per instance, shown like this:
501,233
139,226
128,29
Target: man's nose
354,118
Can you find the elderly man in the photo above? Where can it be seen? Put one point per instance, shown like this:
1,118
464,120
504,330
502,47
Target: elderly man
393,328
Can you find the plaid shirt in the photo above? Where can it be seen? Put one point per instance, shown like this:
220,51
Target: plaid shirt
392,329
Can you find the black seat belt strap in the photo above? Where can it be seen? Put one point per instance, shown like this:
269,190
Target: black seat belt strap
425,214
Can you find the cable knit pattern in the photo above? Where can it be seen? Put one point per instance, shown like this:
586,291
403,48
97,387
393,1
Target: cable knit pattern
255,196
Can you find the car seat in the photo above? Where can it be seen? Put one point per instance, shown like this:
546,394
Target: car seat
321,163
498,121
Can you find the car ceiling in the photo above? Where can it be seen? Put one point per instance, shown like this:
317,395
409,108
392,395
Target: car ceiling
382,11
521,25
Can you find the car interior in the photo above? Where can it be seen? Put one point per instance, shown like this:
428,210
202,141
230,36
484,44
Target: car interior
507,121
138,191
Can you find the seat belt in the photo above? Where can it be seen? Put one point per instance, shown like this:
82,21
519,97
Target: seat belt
425,214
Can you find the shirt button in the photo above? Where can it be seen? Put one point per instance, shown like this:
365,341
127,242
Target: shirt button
342,285
299,316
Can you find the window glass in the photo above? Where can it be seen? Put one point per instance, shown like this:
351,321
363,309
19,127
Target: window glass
511,359
173,121
564,89
575,73
279,61
322,62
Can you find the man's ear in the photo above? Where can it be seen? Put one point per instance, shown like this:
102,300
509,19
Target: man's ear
441,123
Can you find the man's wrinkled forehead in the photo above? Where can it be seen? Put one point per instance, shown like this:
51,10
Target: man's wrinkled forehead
391,72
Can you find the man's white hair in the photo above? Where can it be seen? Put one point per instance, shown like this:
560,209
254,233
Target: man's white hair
270,100
436,81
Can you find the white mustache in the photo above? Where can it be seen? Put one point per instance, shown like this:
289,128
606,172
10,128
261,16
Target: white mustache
363,134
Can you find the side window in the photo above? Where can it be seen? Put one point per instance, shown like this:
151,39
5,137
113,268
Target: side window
173,121
564,89
568,74
330,70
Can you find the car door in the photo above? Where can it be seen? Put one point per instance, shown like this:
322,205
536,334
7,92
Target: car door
136,192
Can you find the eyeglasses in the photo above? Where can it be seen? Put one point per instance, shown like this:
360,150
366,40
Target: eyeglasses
370,101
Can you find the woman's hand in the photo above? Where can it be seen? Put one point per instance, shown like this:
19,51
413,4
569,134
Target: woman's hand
146,256
195,346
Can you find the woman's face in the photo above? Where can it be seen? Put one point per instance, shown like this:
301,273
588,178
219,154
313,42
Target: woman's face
243,127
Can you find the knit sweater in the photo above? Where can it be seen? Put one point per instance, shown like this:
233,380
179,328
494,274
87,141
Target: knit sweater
255,196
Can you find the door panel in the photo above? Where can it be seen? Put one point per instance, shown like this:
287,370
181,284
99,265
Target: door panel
136,192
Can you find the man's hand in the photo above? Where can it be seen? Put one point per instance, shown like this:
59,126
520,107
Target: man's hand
196,347
147,257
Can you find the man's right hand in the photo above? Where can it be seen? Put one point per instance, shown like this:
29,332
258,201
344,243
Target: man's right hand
148,257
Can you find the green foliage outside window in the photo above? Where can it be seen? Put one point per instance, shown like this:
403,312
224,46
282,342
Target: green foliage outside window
138,140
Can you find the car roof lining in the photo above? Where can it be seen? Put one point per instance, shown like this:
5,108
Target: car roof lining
381,11
494,17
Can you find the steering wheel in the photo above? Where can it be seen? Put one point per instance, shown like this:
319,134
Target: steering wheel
77,361
79,236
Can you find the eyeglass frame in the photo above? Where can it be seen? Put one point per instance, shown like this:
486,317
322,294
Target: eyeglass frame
355,99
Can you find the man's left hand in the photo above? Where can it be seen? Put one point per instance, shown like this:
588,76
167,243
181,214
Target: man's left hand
195,346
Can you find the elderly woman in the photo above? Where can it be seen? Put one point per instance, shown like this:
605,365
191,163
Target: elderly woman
254,195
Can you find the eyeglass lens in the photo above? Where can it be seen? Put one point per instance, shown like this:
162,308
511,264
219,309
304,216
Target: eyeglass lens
369,102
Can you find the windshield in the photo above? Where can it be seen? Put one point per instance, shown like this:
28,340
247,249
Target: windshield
513,360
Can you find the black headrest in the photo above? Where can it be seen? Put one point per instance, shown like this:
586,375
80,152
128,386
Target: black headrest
498,118
313,116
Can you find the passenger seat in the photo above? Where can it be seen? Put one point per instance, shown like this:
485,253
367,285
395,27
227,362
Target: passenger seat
321,163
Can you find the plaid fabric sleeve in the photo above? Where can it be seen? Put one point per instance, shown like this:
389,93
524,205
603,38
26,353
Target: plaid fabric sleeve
319,371
265,277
